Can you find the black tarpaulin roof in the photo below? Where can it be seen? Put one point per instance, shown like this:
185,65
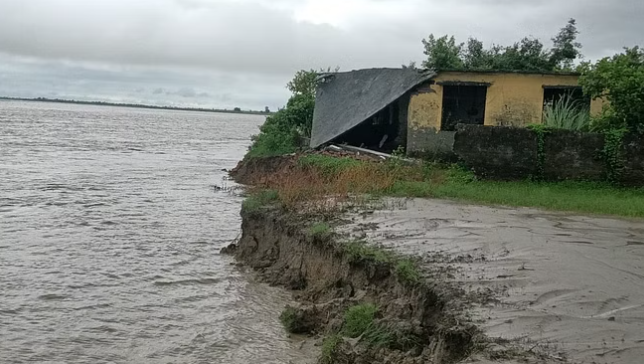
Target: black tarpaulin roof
344,100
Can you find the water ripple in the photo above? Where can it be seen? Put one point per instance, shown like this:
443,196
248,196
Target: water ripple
110,231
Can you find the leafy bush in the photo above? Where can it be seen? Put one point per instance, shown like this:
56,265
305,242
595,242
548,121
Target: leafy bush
566,113
283,132
296,321
619,80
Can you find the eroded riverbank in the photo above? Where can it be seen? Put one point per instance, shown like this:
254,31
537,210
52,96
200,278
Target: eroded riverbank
483,284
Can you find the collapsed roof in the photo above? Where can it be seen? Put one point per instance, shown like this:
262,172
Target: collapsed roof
344,100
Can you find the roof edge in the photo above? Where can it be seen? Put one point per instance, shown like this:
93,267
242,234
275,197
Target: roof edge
526,72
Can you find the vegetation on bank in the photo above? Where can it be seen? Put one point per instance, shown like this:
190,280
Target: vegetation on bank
320,230
318,176
288,129
617,79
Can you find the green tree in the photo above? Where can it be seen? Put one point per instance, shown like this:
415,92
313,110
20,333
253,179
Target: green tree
442,53
528,54
305,82
475,56
285,131
566,49
620,80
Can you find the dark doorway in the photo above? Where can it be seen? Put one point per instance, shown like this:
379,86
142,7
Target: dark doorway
463,104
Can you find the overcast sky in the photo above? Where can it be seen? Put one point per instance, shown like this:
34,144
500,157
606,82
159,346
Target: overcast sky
241,53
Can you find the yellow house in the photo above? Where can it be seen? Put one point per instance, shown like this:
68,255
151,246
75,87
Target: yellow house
387,108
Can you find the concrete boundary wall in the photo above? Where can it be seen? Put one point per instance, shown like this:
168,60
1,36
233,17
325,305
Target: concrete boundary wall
507,153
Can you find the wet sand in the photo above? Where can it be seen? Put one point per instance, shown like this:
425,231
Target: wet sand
570,286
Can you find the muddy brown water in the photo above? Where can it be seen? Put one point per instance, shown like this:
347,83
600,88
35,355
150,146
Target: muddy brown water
110,231
567,285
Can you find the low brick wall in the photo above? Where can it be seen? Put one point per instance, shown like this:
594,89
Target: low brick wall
507,153
428,143
633,150
497,152
573,155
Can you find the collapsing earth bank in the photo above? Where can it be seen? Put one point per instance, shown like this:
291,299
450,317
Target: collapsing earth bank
429,281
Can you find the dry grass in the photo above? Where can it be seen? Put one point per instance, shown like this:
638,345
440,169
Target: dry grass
323,185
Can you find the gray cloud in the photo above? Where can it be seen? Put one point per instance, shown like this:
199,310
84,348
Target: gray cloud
243,52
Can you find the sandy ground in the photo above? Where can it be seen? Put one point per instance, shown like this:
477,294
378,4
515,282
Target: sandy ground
570,285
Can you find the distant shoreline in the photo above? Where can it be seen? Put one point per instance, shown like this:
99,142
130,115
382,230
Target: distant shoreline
138,106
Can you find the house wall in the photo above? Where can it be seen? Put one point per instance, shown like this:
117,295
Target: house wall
513,99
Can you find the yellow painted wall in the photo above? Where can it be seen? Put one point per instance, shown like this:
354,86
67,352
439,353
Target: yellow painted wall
425,108
512,98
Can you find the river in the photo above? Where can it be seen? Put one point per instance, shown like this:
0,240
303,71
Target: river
110,231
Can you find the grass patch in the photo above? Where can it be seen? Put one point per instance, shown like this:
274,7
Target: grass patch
290,319
563,196
407,271
324,185
329,347
360,251
379,336
329,165
320,230
359,319
259,199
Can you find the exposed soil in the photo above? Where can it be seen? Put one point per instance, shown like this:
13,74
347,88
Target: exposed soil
430,318
327,282
260,171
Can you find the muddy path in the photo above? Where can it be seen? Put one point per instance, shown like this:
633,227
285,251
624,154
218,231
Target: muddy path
571,286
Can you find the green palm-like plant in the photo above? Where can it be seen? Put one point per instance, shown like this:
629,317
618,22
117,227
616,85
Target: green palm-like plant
566,113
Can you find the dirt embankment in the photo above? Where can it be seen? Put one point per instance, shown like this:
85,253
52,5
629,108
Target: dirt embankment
493,285
422,319
327,280
259,171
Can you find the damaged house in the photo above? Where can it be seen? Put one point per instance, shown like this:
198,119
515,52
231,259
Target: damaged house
383,109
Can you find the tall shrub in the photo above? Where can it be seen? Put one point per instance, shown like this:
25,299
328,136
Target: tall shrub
620,80
284,131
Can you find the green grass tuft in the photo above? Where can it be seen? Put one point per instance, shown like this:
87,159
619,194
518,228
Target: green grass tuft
407,271
328,165
358,319
320,230
329,347
360,251
260,199
290,319
379,336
